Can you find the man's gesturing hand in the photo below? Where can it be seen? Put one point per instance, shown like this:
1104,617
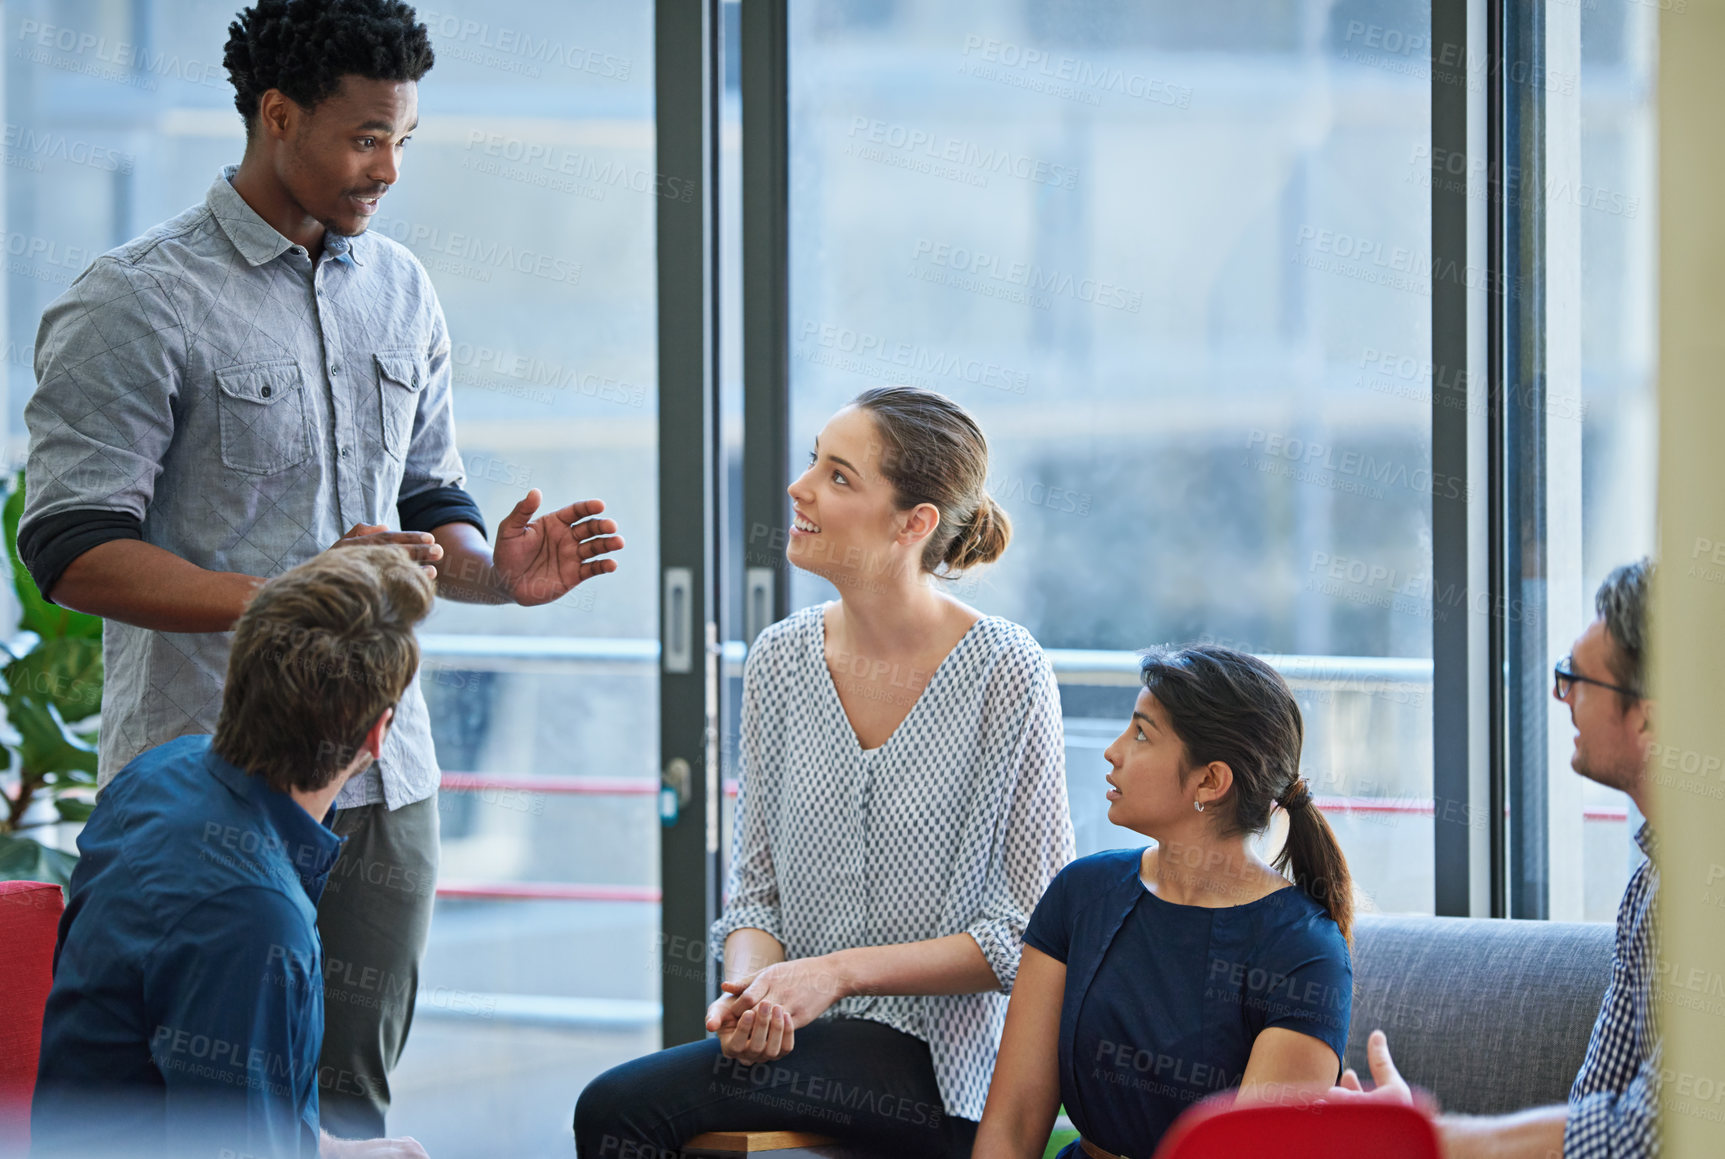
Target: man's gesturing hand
420,545
1389,1085
540,560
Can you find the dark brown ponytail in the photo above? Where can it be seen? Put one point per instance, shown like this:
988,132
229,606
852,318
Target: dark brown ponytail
1232,707
1315,856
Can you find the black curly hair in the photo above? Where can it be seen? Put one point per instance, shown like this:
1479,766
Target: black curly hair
305,47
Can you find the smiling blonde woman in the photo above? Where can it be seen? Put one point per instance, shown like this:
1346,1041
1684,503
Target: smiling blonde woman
903,807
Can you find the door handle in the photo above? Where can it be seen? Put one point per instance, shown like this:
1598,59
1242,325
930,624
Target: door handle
757,601
679,648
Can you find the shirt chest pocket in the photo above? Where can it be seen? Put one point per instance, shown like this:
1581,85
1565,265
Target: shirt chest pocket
400,382
261,409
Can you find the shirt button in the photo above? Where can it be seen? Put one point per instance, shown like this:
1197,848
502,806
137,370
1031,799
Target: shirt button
335,368
265,392
344,452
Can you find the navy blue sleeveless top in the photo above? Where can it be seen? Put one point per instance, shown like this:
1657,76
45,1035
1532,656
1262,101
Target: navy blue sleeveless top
1164,1001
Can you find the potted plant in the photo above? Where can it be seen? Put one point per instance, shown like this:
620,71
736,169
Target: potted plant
52,681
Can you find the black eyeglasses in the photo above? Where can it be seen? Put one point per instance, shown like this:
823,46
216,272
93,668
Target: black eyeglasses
1564,676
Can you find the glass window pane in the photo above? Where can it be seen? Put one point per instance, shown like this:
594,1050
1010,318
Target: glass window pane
1174,258
534,210
1618,346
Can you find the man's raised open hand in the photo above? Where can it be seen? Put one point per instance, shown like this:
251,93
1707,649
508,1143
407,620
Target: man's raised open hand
540,560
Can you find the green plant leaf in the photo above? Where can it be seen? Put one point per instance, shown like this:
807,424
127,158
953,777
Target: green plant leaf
73,778
74,808
54,676
66,671
22,859
38,615
1057,1142
45,744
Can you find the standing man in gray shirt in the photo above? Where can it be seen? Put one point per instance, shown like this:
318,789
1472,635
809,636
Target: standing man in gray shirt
217,401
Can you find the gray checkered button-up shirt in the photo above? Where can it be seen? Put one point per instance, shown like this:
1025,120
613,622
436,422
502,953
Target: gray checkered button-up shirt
1614,1104
955,825
245,407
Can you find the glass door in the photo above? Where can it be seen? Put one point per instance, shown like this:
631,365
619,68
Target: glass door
1175,259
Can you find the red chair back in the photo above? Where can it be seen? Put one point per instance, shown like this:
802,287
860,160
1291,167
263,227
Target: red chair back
1214,1130
29,919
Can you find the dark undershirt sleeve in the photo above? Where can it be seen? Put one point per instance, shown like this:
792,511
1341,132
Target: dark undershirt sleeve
50,544
429,510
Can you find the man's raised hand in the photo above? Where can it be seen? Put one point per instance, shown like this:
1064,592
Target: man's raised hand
540,560
1389,1085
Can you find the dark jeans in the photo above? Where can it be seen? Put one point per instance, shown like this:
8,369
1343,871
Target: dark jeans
374,917
862,1083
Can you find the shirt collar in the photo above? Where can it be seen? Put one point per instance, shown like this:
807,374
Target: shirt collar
257,240
309,846
1645,838
340,245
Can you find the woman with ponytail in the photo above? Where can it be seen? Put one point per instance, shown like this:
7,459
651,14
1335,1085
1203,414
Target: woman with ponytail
1154,977
902,809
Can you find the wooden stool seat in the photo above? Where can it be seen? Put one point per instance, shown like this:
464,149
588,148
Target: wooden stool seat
753,1142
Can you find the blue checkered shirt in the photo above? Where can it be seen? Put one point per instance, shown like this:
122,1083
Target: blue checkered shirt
1614,1104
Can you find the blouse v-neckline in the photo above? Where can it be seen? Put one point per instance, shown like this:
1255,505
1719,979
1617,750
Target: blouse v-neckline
838,701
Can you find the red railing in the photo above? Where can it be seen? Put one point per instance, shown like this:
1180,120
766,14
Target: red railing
1415,806
646,787
552,786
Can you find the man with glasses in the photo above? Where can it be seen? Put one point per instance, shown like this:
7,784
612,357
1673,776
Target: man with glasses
1612,1111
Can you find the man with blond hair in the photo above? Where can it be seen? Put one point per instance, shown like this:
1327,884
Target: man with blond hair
187,1009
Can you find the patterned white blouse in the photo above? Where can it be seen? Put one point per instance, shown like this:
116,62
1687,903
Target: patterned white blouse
955,825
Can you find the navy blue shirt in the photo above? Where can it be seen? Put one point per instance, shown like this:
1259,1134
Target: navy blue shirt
186,1014
1163,1001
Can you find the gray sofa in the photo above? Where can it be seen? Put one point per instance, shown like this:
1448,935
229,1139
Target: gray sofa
1489,1016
